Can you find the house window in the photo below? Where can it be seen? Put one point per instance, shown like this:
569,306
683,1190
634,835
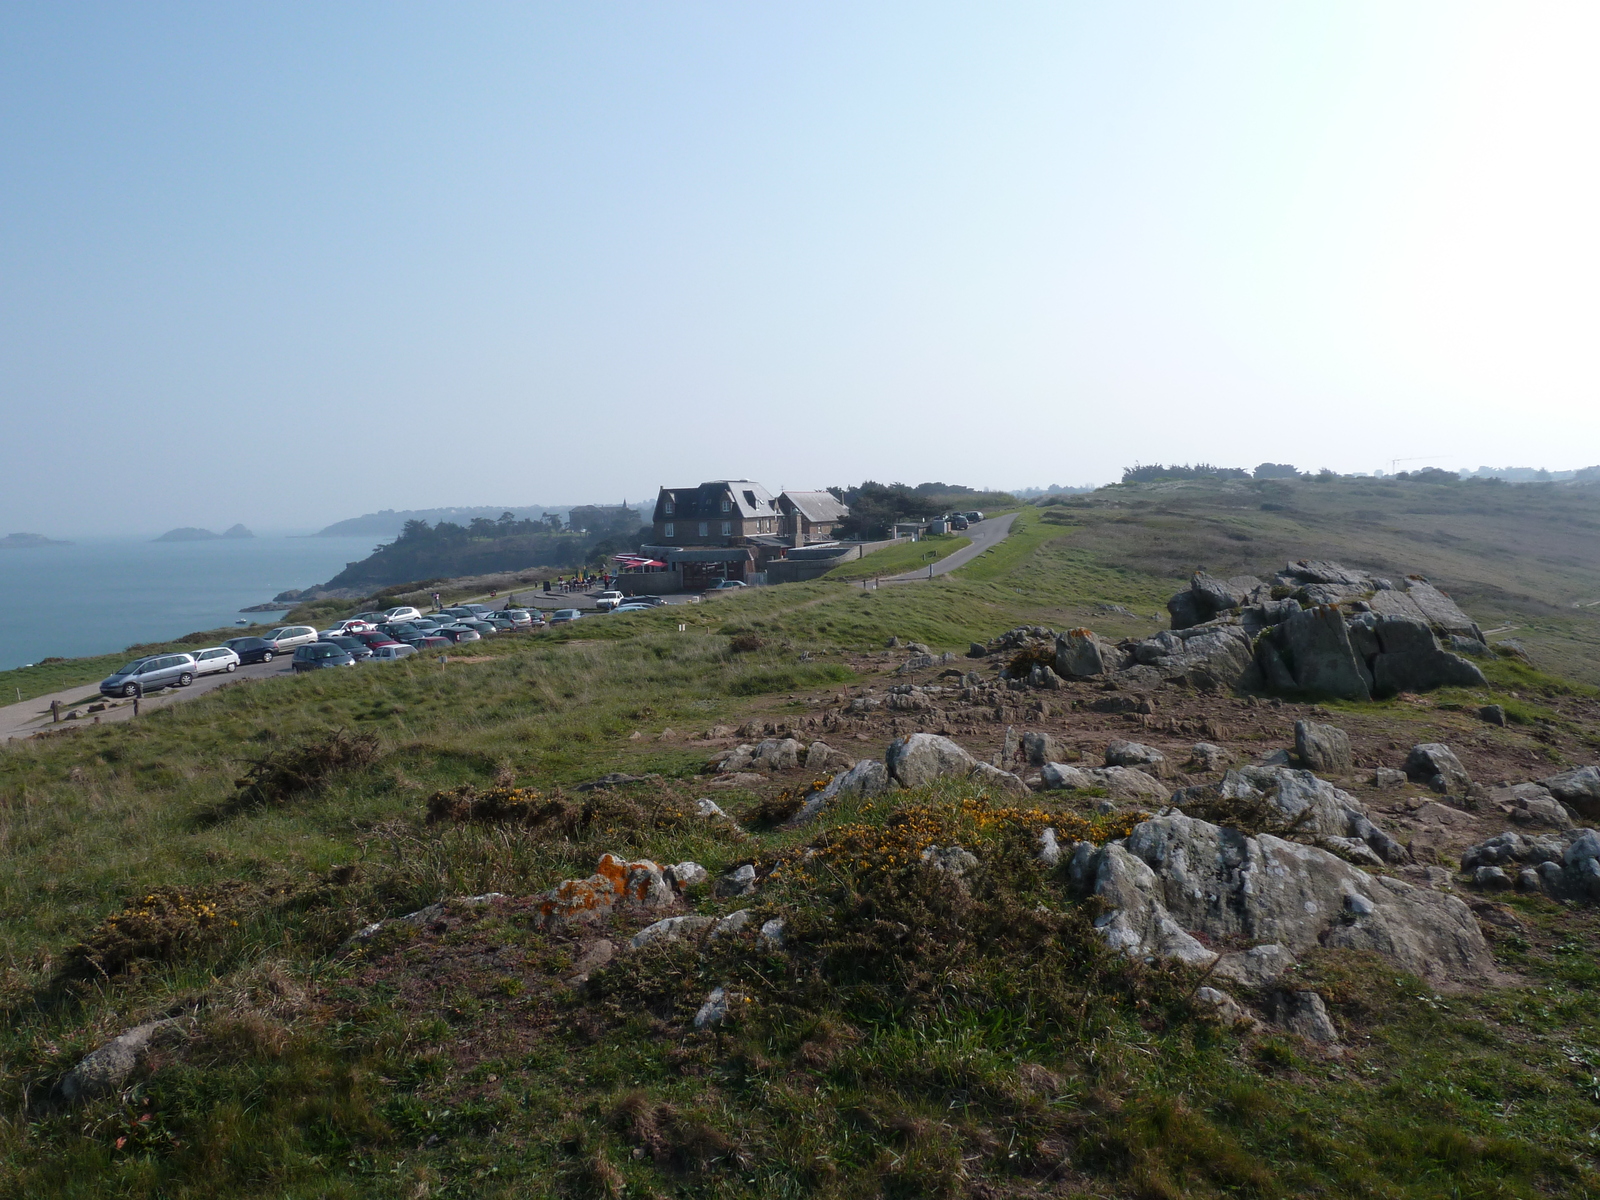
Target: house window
727,505
667,529
703,529
667,508
727,528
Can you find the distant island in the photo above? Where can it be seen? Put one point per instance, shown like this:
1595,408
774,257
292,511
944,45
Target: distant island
190,534
28,541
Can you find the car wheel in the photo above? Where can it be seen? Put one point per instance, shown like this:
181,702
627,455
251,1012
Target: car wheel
266,656
130,690
185,679
232,667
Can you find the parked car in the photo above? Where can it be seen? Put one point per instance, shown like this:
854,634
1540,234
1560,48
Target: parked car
252,649
288,637
652,601
403,613
385,654
214,660
536,618
354,624
500,624
355,647
959,523
725,585
371,618
477,610
149,675
432,642
563,616
973,516
486,628
632,608
409,634
458,633
372,639
520,618
606,601
321,656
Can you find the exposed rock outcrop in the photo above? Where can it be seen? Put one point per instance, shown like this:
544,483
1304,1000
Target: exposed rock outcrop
1564,865
1323,629
1176,880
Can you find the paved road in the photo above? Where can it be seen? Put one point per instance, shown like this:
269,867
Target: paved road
29,717
984,535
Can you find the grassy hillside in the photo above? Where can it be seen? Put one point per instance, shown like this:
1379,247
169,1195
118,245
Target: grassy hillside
894,560
909,1039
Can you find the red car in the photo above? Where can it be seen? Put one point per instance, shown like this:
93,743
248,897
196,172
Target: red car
374,639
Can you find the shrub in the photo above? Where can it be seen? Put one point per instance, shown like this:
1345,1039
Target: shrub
302,769
163,925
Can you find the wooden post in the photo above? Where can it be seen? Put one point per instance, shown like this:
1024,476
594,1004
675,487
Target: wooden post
136,706
55,712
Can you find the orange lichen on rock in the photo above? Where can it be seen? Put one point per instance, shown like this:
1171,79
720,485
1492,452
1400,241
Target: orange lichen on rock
615,881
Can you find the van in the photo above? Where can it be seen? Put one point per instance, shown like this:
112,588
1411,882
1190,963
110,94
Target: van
149,675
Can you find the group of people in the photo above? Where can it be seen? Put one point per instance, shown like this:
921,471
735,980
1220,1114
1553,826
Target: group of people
578,583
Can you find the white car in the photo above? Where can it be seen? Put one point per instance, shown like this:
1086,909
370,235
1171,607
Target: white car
606,601
392,653
405,613
352,625
214,660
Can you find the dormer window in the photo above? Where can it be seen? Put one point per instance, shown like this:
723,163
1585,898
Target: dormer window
727,505
667,508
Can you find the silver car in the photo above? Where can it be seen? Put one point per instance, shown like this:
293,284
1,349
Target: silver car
287,637
149,675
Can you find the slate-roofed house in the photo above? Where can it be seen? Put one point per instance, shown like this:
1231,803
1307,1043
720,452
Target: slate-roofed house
811,516
715,513
730,528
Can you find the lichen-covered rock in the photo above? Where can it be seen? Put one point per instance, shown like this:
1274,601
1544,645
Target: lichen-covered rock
615,882
1567,863
1579,790
952,860
670,928
1083,654
867,778
1038,748
1310,806
1304,1014
1256,967
1064,776
777,754
1324,748
923,758
1175,877
1135,754
986,775
715,1010
1316,646
1215,656
107,1068
1436,765
822,758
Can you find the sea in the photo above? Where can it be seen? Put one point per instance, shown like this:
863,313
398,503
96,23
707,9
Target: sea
101,595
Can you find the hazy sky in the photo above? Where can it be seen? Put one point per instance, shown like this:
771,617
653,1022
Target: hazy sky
287,263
